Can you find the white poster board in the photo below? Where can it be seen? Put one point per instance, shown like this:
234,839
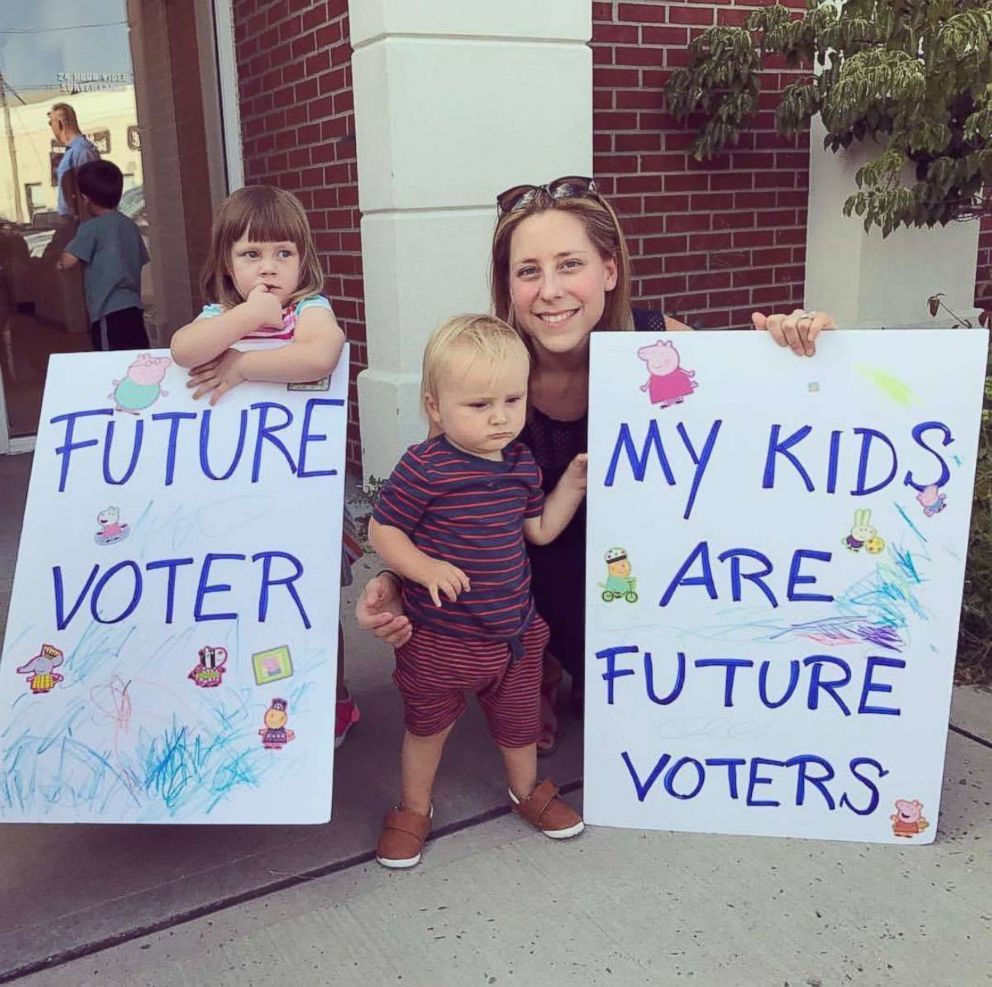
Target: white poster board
171,646
770,647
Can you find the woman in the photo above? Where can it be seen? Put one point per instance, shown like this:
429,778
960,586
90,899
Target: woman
560,271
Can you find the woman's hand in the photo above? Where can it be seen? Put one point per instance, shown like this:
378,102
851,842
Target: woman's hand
216,377
380,610
797,331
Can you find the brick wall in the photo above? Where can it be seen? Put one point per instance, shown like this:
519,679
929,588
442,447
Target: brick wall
710,242
298,126
983,288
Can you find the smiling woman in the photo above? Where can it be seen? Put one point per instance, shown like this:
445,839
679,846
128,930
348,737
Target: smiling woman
560,271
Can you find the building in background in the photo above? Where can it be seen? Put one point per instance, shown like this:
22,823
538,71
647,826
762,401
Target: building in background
396,123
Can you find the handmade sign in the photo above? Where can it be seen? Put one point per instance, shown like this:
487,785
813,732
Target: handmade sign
776,552
171,645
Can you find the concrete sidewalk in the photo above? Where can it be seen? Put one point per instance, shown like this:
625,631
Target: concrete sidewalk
496,904
492,901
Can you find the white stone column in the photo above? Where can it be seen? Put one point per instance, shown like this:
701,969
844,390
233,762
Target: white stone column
454,102
871,283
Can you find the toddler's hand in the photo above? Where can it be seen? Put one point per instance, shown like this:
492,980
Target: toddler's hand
439,577
577,472
265,307
217,376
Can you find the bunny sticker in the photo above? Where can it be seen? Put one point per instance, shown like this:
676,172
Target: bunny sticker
863,534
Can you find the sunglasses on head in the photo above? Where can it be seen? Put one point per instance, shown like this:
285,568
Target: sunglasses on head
567,187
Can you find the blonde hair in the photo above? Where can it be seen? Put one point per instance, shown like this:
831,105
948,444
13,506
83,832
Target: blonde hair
267,215
65,113
485,336
603,229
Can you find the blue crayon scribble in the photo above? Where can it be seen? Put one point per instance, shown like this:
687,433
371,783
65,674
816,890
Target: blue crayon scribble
876,609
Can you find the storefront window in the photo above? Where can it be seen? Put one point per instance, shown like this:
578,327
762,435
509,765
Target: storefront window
138,80
61,58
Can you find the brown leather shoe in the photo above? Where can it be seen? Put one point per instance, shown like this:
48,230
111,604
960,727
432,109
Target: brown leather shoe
545,811
402,839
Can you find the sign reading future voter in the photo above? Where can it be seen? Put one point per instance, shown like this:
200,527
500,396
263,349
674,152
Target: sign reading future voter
775,561
171,645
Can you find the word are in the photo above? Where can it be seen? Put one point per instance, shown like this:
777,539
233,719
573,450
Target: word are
758,567
113,593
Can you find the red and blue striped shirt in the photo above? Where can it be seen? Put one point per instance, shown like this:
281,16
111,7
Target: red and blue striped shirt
467,511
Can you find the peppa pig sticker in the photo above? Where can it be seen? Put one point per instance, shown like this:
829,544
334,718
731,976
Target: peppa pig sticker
668,383
908,820
782,664
932,499
174,556
141,386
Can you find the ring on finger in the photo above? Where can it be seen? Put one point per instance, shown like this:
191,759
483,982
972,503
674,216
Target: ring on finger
809,316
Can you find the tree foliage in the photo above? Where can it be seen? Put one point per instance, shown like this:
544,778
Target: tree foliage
914,76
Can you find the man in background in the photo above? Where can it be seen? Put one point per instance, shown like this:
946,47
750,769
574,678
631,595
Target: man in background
78,150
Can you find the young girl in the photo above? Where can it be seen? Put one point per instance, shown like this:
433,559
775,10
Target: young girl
267,321
451,521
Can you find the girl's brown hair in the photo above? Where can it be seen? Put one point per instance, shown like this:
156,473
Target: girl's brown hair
603,229
265,215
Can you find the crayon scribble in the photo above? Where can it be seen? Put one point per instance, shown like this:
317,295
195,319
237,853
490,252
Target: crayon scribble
892,387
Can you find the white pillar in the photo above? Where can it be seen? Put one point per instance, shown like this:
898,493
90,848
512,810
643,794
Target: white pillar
867,282
454,102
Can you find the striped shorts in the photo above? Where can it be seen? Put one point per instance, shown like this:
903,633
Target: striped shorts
434,671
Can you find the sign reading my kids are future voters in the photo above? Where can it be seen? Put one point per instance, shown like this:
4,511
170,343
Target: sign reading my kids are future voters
171,645
775,562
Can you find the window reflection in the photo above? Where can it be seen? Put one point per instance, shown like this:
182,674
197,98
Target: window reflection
76,53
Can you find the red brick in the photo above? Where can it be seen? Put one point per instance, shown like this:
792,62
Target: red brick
315,159
664,35
643,13
690,14
636,56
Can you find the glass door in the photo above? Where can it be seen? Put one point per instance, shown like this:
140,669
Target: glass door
66,87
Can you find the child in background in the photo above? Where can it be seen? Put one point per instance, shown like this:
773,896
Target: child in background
112,251
451,521
267,321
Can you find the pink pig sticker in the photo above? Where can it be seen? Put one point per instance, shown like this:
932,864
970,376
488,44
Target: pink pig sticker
668,383
141,387
908,820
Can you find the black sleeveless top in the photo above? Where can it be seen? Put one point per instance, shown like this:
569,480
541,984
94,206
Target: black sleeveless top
559,569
